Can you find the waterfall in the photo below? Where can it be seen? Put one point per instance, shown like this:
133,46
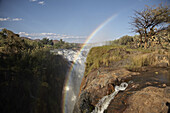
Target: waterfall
76,74
74,82
105,101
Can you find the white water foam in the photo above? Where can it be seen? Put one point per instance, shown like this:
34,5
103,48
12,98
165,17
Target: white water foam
105,101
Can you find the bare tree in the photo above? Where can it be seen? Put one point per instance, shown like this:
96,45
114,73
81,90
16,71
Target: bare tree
150,21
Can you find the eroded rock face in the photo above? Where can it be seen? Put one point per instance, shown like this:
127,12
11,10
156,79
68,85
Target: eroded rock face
97,85
149,89
149,100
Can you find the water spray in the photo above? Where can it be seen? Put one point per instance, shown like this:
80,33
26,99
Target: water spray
105,101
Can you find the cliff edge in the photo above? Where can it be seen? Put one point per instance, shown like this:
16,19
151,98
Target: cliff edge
147,73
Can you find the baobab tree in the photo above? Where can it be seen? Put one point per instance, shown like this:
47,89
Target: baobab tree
150,21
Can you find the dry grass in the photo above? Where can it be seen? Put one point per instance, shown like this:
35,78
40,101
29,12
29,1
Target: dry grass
103,56
148,59
107,55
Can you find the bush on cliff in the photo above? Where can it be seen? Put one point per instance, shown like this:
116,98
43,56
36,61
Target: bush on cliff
125,40
31,79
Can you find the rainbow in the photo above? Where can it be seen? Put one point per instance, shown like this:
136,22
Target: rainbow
71,68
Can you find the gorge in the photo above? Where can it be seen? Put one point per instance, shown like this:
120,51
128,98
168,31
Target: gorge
108,66
74,76
82,91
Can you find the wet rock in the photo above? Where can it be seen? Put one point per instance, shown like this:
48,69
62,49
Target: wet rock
135,86
83,105
168,104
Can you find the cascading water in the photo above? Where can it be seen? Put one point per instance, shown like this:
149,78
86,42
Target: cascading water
74,81
105,101
77,62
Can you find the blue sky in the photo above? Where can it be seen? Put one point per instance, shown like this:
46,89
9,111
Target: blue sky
71,20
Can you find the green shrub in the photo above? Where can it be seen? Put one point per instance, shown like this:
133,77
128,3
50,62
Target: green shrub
125,40
31,78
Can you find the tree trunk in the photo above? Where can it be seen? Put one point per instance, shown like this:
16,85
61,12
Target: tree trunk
145,44
140,40
145,39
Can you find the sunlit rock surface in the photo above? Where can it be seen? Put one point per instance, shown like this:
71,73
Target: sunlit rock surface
149,100
97,85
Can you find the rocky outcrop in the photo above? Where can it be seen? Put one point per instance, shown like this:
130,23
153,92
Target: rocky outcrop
146,72
148,89
149,100
97,85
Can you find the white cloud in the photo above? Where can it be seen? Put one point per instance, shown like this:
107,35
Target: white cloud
33,0
142,0
4,19
41,2
17,19
38,2
38,35
23,33
53,36
49,34
10,19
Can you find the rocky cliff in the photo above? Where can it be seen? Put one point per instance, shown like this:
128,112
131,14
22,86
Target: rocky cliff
146,72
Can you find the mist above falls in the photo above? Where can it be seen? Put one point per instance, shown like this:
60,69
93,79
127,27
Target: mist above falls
74,77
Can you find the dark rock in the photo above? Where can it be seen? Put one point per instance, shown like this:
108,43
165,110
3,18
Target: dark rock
83,105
